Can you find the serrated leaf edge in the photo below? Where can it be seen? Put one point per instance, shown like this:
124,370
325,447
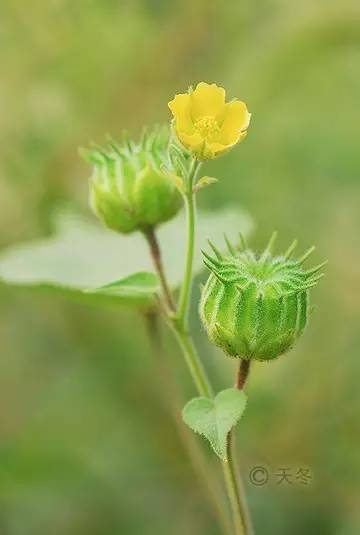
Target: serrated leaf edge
218,451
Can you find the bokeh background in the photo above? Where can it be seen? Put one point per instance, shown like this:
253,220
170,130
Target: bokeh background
88,439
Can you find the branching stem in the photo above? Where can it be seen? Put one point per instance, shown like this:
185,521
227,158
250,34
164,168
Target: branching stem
159,266
178,319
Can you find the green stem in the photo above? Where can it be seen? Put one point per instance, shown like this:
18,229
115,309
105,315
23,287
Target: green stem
179,324
193,361
189,197
236,493
174,403
194,364
242,505
233,490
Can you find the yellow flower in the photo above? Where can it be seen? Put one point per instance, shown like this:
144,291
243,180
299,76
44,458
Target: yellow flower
205,124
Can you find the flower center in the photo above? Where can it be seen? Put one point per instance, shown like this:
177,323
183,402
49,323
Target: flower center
208,128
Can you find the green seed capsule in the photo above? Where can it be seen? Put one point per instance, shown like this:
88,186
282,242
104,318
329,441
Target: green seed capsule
129,188
256,306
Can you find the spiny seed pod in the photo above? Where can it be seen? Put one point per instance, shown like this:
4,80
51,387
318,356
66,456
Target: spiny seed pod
256,306
131,187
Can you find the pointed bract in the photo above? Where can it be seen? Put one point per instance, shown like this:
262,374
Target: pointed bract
132,187
290,250
256,307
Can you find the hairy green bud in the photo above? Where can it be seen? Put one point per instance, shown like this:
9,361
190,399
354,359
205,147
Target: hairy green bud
132,187
256,306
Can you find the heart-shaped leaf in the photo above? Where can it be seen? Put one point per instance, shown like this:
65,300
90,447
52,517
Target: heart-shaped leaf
214,418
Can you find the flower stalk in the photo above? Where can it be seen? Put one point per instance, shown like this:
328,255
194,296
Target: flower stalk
190,204
240,509
179,324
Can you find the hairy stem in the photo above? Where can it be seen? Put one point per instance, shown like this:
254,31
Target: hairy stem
242,373
189,351
189,197
159,267
193,362
232,487
174,403
179,323
239,506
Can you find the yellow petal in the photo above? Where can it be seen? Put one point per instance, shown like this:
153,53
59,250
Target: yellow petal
193,142
180,108
236,121
212,150
207,100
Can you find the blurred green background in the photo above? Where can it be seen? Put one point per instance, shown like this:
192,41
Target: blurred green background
88,441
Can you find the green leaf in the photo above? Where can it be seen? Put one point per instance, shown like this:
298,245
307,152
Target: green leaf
204,182
81,254
142,284
214,418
